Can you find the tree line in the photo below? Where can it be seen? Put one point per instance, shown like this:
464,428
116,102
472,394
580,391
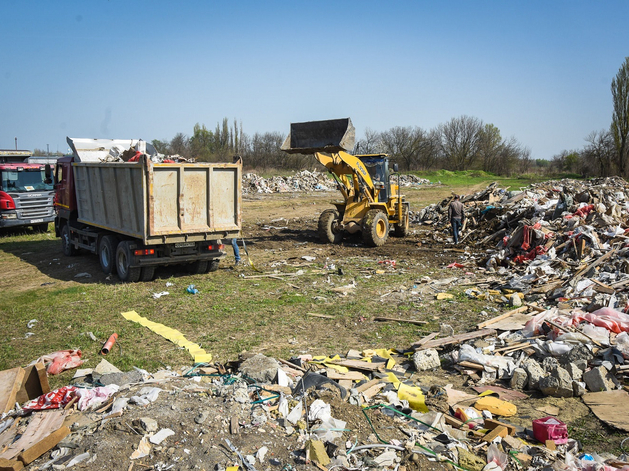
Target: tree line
463,143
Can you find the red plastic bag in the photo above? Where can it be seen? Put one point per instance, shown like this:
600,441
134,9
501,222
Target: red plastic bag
52,400
60,361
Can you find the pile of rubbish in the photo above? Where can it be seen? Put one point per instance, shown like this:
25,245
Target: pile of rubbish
378,408
301,181
408,180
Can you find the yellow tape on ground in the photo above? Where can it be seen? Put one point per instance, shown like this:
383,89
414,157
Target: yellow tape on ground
176,337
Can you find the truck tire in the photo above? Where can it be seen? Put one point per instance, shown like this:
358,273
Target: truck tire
66,241
199,267
401,229
123,263
326,227
213,265
43,227
375,228
147,274
107,254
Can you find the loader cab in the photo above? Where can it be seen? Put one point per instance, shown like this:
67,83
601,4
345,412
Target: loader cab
378,168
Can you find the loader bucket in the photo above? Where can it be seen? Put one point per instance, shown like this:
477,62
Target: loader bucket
332,135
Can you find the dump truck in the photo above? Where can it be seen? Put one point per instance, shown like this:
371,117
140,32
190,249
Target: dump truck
372,203
26,193
145,212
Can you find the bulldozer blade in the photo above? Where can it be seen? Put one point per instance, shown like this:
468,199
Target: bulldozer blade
332,135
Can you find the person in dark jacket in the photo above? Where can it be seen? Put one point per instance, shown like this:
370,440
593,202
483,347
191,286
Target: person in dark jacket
456,216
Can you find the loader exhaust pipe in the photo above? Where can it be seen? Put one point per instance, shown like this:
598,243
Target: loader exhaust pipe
330,136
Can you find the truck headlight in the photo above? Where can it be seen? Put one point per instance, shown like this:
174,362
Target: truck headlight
9,216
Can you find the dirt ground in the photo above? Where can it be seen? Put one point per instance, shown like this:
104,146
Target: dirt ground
275,227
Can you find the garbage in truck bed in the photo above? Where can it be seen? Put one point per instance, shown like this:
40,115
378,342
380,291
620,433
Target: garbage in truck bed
117,150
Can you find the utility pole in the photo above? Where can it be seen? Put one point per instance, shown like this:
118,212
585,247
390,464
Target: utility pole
16,143
48,149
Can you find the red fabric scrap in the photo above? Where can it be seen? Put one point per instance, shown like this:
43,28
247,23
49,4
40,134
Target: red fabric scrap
584,211
52,400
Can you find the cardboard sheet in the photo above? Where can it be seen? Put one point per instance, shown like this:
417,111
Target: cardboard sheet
610,407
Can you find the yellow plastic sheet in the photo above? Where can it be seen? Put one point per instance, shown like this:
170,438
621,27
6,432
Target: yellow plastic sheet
383,353
323,360
414,396
176,337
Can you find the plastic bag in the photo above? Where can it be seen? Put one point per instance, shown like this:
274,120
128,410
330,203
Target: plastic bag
60,361
494,455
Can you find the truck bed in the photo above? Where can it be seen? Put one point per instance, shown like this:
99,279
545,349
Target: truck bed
160,203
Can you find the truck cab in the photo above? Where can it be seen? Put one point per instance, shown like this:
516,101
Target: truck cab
26,193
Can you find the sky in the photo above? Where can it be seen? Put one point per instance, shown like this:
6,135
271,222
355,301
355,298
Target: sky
540,71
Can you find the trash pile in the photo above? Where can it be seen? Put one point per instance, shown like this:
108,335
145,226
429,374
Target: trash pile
301,181
376,408
407,180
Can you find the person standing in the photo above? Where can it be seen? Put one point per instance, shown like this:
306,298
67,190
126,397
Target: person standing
456,216
236,251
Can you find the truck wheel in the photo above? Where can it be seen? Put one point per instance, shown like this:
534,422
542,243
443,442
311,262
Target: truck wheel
213,265
107,254
41,227
401,229
66,241
147,274
375,228
199,267
327,227
123,263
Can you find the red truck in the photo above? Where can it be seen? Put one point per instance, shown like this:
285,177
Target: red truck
26,193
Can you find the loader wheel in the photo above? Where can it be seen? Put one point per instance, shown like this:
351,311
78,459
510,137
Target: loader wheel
66,241
375,228
107,254
327,227
123,263
401,229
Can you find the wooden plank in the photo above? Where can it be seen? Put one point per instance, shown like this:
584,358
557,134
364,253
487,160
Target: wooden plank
472,365
42,424
428,338
359,365
395,319
455,339
10,465
35,383
292,365
482,325
373,390
492,424
321,316
41,447
603,288
10,384
367,385
499,431
350,375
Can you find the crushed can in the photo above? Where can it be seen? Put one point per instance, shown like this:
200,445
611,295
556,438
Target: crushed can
550,428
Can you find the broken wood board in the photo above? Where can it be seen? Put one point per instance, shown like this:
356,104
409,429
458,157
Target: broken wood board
515,322
34,384
10,384
610,407
351,375
367,385
42,424
426,339
455,339
322,316
505,315
359,365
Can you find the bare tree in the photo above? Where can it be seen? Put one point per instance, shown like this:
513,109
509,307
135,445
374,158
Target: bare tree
599,154
403,144
370,144
490,147
180,144
460,141
620,117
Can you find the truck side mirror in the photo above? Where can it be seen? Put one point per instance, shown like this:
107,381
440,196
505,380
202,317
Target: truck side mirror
48,173
395,167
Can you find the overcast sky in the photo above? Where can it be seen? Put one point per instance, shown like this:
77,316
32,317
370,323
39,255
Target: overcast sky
538,70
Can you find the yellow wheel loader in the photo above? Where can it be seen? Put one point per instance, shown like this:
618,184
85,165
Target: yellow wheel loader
372,203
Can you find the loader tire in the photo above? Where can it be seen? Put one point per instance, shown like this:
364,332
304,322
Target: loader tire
123,263
375,228
401,229
327,227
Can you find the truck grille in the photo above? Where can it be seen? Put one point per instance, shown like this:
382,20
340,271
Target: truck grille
31,206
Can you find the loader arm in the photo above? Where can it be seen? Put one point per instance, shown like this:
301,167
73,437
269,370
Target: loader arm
342,164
